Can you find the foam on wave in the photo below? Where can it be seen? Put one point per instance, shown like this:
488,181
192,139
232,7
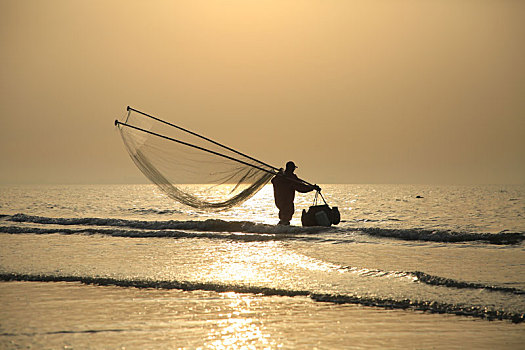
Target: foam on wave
427,306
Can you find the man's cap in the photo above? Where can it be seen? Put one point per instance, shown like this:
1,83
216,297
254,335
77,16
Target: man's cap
291,165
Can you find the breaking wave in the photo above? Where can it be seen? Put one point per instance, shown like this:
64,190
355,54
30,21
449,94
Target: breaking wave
418,305
422,277
448,282
445,236
247,237
214,225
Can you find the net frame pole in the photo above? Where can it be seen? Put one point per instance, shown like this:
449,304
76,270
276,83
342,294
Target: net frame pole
196,147
209,140
202,137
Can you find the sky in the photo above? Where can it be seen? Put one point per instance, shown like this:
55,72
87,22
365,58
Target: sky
364,91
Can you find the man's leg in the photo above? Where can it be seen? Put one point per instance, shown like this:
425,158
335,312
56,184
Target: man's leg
285,214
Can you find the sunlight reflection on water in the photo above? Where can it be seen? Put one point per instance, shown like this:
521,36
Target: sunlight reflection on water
256,263
338,262
238,330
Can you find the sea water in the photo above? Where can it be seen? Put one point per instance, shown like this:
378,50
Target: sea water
123,266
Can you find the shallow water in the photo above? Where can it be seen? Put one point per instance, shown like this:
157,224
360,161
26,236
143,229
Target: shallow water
454,258
55,315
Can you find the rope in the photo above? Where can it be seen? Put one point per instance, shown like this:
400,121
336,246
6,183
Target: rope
316,197
322,198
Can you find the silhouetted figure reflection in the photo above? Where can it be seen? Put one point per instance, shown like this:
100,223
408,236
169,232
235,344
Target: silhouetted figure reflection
284,186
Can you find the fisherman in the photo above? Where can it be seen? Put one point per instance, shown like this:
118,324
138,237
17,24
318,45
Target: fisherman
284,186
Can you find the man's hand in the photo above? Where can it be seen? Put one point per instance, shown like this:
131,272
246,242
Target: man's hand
317,188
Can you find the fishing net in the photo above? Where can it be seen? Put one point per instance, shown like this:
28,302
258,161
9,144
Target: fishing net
189,168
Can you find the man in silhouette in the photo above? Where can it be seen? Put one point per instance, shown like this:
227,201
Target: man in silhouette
284,186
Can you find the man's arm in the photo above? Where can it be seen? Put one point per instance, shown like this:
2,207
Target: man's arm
300,186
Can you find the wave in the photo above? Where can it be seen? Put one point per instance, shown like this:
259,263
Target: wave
155,211
417,305
445,236
87,331
423,277
448,282
217,226
246,237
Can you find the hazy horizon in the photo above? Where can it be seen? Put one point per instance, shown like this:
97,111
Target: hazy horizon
357,92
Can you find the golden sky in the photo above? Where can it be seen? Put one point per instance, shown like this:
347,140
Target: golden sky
362,91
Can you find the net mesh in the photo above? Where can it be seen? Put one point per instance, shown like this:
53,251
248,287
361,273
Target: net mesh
195,177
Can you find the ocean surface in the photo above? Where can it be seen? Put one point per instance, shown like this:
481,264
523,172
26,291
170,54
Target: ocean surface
123,266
